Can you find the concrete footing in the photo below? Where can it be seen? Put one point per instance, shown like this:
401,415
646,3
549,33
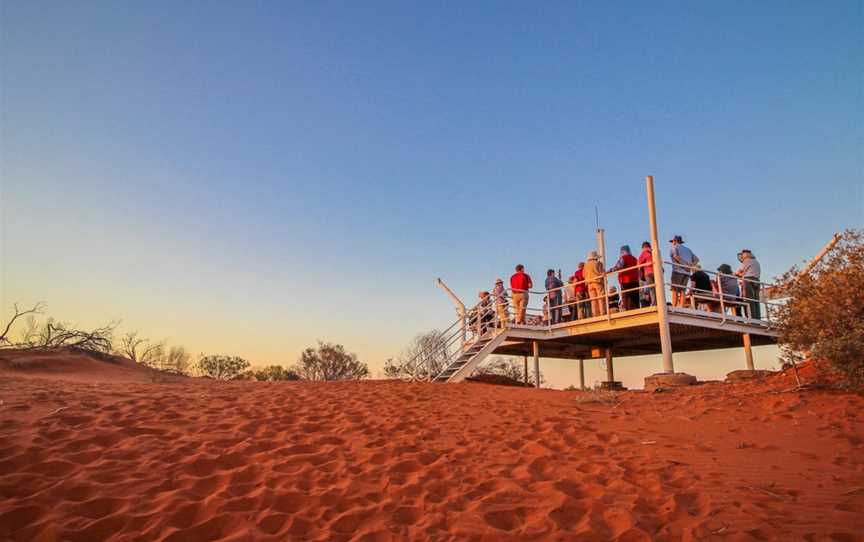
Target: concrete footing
666,380
612,385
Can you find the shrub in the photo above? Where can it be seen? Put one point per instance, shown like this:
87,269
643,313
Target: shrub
823,317
423,359
511,368
272,373
222,367
330,362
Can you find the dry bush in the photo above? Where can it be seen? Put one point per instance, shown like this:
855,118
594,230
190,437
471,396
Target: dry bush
18,313
423,359
221,367
55,334
508,367
174,360
271,373
823,317
330,362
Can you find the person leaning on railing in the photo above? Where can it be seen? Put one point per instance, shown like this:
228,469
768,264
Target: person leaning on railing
580,291
553,293
729,287
646,276
484,313
593,272
683,260
628,279
520,283
750,272
702,291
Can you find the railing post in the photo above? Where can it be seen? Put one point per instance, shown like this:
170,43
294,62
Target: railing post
659,282
720,293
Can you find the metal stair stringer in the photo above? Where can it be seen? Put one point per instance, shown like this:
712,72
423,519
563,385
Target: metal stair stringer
471,363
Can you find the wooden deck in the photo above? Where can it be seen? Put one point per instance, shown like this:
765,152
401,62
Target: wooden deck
636,333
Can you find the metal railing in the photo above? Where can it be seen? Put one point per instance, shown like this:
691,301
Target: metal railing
497,312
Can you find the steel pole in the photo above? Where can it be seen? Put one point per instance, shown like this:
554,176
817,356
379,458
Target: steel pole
610,370
659,282
536,364
748,352
581,374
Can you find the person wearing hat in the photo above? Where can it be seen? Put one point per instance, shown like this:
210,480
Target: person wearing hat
501,308
750,271
484,313
520,283
683,261
593,273
729,285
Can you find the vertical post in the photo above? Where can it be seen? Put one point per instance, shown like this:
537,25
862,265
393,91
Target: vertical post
601,248
525,359
610,371
659,282
536,364
581,374
748,352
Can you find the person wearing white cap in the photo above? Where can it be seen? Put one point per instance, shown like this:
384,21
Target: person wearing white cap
593,273
750,272
501,305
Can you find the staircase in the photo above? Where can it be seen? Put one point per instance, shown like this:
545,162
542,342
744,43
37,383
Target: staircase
468,360
454,353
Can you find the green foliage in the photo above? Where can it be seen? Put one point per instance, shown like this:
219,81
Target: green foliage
221,367
823,318
330,362
272,373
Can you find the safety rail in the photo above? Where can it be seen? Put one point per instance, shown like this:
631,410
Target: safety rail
477,323
495,313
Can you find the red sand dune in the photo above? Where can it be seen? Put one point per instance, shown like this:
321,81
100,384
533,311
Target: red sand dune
88,457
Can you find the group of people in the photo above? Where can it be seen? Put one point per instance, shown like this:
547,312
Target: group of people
585,294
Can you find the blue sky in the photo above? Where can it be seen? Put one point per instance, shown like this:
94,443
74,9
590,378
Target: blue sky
250,177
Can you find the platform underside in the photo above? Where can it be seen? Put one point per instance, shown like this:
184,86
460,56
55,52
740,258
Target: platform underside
636,333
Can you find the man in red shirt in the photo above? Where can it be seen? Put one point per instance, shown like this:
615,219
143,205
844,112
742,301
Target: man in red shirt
628,279
580,289
646,276
520,283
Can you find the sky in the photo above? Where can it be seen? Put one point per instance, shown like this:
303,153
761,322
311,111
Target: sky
250,177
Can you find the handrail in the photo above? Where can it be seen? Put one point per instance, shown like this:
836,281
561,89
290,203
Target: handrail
484,317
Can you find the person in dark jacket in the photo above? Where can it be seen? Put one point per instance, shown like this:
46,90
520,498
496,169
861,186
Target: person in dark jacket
553,290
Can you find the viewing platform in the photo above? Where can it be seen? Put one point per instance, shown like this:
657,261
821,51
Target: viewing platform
712,310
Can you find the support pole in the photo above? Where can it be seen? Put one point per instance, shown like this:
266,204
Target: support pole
525,359
601,246
601,249
748,352
581,374
610,371
536,364
659,282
